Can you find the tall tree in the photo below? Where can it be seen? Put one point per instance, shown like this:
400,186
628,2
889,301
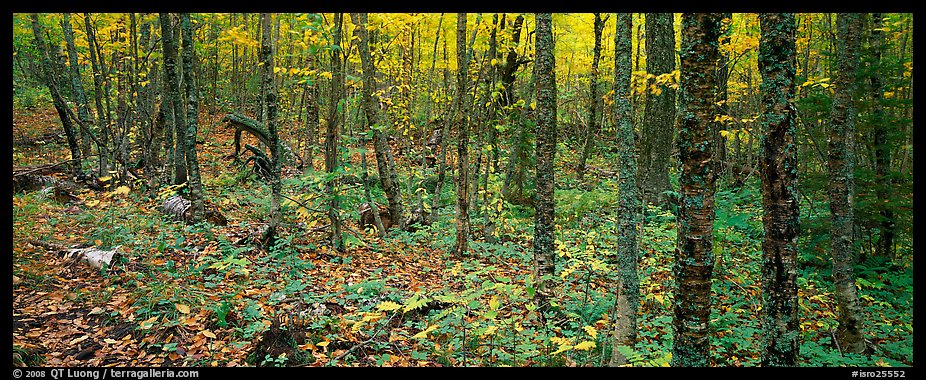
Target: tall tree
594,103
461,243
778,65
842,182
885,245
52,82
544,221
384,161
333,133
659,111
83,111
100,89
270,103
369,104
192,117
172,87
694,258
628,202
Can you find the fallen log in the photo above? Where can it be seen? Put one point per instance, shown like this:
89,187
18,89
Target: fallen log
43,169
45,138
33,182
181,209
94,257
242,123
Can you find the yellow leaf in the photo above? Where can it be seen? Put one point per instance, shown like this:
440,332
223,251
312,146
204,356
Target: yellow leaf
424,333
490,330
146,324
562,348
388,306
585,346
208,334
107,178
92,203
323,344
494,303
591,331
659,298
122,190
110,341
184,309
78,340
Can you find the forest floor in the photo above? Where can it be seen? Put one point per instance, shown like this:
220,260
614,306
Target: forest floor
203,295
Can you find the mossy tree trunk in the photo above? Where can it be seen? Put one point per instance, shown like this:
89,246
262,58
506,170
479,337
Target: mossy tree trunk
192,116
659,111
52,82
778,64
172,95
842,182
628,202
544,222
694,257
384,160
461,243
333,135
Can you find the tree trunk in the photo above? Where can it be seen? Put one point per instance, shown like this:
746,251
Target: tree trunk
192,116
333,134
461,243
594,104
778,65
83,112
628,203
384,160
694,257
51,81
885,246
172,87
270,103
842,183
544,222
659,112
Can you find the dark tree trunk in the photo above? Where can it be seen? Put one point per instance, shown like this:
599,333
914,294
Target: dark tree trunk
172,87
885,247
659,112
628,203
544,222
694,257
461,243
384,160
102,114
594,104
778,65
192,116
842,183
51,81
333,134
83,111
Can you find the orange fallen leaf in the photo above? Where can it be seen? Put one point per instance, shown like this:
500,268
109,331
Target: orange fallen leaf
208,334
